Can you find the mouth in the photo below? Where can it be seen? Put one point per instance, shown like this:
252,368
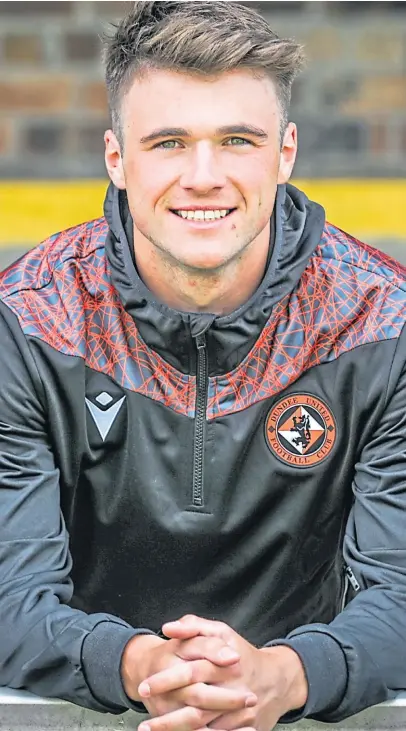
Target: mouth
203,216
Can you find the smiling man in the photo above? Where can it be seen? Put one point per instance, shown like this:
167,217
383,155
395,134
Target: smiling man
203,412
201,195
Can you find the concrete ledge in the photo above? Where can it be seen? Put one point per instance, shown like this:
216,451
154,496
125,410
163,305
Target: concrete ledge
20,711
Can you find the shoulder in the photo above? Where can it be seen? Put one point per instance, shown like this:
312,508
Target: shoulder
355,289
55,256
356,260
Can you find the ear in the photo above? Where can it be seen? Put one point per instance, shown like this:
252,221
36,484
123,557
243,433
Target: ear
288,153
113,159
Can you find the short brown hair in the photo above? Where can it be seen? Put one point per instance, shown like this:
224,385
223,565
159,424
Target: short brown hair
203,37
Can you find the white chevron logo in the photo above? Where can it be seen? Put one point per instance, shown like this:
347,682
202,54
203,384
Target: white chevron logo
104,420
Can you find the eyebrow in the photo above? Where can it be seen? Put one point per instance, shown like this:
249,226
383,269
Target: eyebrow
230,129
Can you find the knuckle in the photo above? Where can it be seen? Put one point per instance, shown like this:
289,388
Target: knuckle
215,643
222,643
196,694
193,645
222,628
199,715
238,701
204,671
159,708
189,672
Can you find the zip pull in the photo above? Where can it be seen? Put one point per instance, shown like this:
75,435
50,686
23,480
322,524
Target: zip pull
351,578
199,324
200,341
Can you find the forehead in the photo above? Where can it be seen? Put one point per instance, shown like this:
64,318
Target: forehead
168,98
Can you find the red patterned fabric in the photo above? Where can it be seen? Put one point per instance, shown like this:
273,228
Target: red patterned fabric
349,295
62,294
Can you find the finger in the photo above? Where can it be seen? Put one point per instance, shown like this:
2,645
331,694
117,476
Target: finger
214,698
180,676
236,720
175,630
183,719
190,625
214,649
196,692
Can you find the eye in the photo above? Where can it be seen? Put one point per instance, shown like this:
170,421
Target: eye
167,145
237,142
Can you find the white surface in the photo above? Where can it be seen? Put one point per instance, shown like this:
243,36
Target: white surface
22,711
22,697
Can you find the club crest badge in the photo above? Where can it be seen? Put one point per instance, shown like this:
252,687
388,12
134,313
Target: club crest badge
300,430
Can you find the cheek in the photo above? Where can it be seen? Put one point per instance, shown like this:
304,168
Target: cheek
146,197
256,178
147,180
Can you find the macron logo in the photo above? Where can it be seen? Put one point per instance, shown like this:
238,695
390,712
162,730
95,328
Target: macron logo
104,418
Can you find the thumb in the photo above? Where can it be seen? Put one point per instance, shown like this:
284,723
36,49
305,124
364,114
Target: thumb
191,626
180,630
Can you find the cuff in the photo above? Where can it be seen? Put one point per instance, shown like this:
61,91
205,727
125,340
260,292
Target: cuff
326,672
101,659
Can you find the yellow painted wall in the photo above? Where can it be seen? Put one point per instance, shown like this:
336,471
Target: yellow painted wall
32,210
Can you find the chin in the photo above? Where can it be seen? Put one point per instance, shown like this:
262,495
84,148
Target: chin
203,265
203,260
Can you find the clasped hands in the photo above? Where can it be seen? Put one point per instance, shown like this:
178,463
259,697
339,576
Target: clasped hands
206,676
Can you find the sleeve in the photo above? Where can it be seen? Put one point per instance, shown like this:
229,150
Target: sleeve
46,646
359,659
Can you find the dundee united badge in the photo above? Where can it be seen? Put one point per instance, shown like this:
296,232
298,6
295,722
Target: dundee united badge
300,429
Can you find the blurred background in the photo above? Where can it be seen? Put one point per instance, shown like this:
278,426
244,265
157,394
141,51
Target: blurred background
350,107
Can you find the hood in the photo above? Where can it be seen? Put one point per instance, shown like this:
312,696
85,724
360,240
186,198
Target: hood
297,226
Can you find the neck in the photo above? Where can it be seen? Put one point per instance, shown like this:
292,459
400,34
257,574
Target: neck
219,292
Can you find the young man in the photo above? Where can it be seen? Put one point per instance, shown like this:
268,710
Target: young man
203,412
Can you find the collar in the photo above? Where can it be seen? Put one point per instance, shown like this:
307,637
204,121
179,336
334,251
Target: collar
296,226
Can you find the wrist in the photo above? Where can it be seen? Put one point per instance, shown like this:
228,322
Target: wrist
135,663
294,687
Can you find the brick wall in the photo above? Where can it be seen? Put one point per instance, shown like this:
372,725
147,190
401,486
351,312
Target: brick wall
350,104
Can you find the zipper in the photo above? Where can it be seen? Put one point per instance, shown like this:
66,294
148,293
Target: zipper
200,421
349,580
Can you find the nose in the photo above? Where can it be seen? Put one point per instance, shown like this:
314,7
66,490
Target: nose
202,170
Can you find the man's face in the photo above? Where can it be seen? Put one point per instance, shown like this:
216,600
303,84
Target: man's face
201,162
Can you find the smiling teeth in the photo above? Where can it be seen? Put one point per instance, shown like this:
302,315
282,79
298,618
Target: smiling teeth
204,215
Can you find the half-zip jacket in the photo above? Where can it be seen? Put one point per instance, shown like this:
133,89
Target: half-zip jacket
248,468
